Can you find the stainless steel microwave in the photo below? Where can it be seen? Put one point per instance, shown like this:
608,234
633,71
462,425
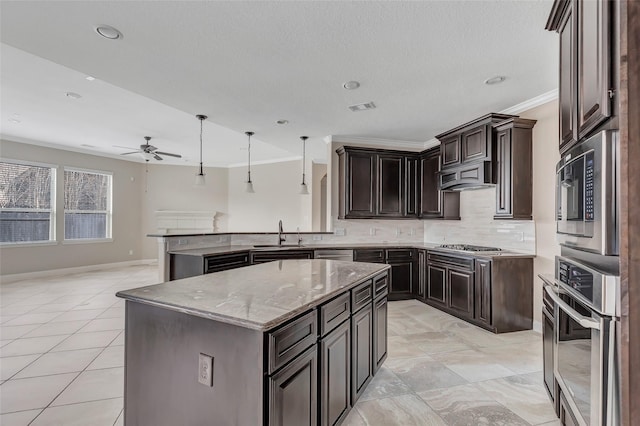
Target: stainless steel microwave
587,182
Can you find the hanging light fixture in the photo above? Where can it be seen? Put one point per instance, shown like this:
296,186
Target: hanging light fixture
200,175
303,186
249,187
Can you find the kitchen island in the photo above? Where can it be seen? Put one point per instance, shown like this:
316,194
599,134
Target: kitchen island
292,342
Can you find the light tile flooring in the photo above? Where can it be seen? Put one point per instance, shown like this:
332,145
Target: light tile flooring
61,349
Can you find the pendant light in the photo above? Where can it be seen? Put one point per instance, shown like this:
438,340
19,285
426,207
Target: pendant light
200,175
303,186
249,187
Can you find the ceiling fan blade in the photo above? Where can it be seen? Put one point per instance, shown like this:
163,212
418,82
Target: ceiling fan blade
123,147
148,148
157,157
169,154
133,152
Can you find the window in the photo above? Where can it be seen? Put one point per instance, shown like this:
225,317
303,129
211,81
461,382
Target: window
27,202
87,205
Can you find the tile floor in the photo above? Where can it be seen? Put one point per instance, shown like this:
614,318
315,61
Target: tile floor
61,349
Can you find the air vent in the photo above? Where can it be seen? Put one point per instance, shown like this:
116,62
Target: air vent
362,107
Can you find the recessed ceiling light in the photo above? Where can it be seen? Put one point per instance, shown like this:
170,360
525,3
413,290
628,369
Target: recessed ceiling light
495,80
282,122
90,78
351,85
109,32
73,95
362,107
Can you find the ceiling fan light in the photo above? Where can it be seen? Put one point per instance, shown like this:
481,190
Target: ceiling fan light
249,188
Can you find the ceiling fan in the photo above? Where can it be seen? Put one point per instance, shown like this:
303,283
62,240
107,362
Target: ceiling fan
148,151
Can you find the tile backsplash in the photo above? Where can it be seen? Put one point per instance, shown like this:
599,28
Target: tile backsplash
477,225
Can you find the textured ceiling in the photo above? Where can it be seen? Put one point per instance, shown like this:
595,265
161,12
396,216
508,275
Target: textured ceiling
248,64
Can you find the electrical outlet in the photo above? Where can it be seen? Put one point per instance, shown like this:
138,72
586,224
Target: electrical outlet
205,370
317,238
340,232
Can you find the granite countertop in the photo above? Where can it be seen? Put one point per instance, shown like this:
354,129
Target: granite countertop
258,297
209,251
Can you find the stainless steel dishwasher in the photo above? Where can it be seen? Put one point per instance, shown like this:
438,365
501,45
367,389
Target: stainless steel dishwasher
339,254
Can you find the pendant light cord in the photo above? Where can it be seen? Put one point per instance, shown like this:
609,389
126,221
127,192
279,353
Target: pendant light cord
201,172
249,161
304,156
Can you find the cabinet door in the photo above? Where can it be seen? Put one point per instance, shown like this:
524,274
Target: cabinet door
421,290
460,289
450,151
430,200
379,333
335,375
293,398
437,284
593,64
361,351
567,81
411,186
361,184
474,145
390,185
503,173
483,291
401,279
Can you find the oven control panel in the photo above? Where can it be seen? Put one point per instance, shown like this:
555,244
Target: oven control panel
577,278
588,187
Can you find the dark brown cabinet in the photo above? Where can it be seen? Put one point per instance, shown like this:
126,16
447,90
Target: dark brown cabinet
586,73
450,150
369,255
403,274
513,168
421,290
190,265
358,183
436,285
435,203
412,185
379,332
482,312
335,375
362,351
271,255
391,186
460,290
293,392
475,144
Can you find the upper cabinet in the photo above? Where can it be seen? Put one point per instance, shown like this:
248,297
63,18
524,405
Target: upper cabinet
586,73
380,183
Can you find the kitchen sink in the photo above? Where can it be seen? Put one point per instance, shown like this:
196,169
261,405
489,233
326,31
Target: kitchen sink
277,246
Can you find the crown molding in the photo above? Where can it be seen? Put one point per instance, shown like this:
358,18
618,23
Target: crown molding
532,103
385,143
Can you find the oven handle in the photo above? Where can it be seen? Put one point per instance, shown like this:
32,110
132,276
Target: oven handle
582,320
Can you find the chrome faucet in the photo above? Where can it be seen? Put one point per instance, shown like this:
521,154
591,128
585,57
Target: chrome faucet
281,237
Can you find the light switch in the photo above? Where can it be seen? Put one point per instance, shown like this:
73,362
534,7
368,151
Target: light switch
205,369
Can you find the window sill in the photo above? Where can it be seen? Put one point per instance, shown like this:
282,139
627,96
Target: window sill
88,241
28,244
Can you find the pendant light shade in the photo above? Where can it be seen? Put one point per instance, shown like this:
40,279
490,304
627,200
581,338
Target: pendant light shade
200,181
249,184
303,186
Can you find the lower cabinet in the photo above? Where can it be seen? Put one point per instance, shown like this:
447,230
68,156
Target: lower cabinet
460,290
379,332
436,284
185,265
362,351
270,256
293,392
483,291
403,274
421,290
335,375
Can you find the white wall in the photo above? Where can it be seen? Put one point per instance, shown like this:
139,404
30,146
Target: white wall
172,188
318,171
127,231
276,198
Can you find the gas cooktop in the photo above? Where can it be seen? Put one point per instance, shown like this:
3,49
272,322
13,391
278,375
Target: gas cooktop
468,247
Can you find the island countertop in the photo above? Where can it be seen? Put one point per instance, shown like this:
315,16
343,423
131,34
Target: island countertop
258,297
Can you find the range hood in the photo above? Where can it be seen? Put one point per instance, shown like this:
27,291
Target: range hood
477,175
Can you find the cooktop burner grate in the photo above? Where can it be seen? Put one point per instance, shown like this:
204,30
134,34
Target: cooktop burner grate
468,247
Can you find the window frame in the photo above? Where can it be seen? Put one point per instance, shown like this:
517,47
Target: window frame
52,211
108,212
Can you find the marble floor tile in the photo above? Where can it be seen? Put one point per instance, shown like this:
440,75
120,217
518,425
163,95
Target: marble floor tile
468,405
29,318
473,365
104,324
113,313
20,418
385,384
405,410
32,393
9,366
87,314
407,325
92,386
424,373
521,358
57,328
95,413
18,309
59,363
96,339
32,345
16,331
54,307
111,357
120,420
399,347
524,395
432,342
118,341
475,336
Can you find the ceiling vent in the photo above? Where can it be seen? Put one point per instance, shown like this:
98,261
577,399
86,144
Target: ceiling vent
362,107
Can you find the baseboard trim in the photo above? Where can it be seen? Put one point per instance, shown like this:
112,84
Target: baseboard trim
537,326
6,279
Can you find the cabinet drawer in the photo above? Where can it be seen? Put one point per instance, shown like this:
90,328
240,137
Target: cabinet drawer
380,286
451,261
291,340
334,313
228,261
270,256
372,256
403,254
361,296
